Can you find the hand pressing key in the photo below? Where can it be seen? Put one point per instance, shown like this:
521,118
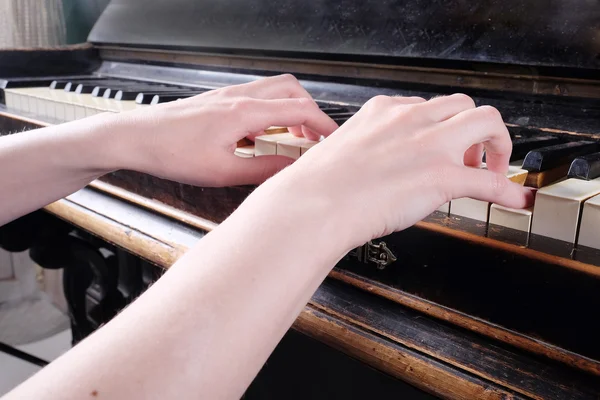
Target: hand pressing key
213,319
398,159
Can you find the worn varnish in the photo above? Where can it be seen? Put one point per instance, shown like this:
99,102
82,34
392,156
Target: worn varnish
433,356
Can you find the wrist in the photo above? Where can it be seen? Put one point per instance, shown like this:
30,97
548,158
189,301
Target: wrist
104,143
301,216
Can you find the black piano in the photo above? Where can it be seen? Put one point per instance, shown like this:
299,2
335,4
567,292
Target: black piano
475,301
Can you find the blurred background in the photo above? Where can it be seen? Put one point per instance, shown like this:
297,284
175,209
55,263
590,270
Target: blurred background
33,311
47,23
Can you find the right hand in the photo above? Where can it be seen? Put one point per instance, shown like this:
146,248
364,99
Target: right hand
399,159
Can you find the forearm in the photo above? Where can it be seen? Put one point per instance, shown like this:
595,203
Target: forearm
208,325
40,166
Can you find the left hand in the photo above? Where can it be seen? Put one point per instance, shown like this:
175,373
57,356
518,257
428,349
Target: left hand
193,140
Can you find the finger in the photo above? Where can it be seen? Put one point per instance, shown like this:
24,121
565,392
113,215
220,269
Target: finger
408,100
261,114
474,156
252,171
310,134
490,186
275,87
441,108
481,125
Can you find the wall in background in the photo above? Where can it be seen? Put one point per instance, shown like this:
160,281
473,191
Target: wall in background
80,17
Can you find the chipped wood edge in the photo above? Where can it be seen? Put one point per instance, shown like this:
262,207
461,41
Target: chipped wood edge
426,375
145,246
432,309
470,323
421,349
155,205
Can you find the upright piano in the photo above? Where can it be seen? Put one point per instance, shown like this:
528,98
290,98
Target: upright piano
475,301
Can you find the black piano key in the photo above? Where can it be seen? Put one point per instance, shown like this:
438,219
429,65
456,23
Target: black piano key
523,145
72,85
58,84
328,110
167,97
340,115
549,157
89,87
586,167
15,83
100,90
132,85
341,121
132,93
68,82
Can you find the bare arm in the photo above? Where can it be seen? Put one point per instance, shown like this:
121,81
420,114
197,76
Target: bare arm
43,165
191,141
411,160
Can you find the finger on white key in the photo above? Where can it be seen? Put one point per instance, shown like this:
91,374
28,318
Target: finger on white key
557,208
304,147
445,208
478,209
267,144
292,148
514,218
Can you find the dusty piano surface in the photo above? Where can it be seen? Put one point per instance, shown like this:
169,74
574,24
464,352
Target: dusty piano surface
474,301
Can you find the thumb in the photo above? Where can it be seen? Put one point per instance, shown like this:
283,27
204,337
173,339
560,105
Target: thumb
253,171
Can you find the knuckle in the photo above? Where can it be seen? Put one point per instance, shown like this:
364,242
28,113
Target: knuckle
498,183
305,103
417,98
289,78
490,113
378,101
463,98
242,105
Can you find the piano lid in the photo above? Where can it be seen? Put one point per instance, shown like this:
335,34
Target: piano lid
551,33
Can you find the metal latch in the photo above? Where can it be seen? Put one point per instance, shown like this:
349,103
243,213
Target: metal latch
376,253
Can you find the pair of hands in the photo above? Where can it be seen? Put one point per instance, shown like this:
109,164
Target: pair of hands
392,164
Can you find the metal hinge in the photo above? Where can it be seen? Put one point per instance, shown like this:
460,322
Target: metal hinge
375,253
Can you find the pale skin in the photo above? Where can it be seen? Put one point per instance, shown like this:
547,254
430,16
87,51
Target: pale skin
404,157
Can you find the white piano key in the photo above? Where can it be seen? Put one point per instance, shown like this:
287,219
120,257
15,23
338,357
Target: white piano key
293,147
557,208
470,208
245,152
80,112
32,105
589,231
40,105
519,219
477,209
10,99
267,144
304,147
13,99
445,208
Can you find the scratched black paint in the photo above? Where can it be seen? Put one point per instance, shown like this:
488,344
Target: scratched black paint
551,33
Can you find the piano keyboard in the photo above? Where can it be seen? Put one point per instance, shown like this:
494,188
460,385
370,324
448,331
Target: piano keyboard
565,173
67,99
